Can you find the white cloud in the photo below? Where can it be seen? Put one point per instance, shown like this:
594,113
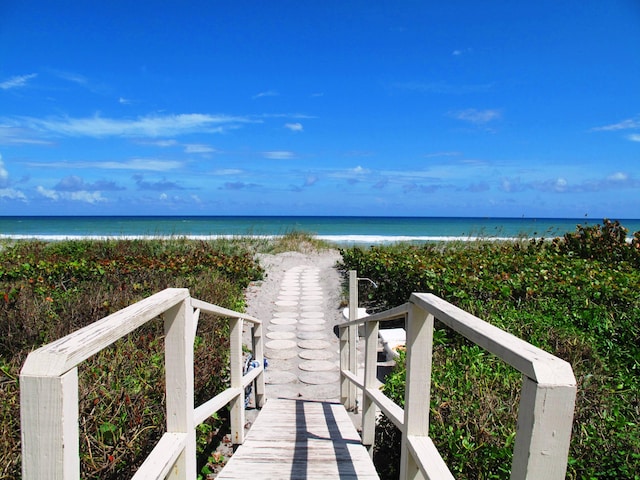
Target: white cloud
124,101
159,143
294,127
17,81
198,148
477,117
149,126
359,170
12,194
79,196
135,164
634,137
628,124
4,174
50,194
228,171
618,177
279,155
84,196
268,93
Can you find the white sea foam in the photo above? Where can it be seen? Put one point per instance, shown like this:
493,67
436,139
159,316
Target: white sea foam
339,239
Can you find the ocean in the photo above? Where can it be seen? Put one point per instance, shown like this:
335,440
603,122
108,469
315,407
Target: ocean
340,230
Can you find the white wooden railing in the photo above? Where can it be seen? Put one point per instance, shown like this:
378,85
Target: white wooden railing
547,400
49,388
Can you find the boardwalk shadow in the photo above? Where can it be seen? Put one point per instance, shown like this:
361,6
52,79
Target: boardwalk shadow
304,467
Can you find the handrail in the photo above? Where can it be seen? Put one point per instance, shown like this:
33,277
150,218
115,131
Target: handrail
545,414
49,388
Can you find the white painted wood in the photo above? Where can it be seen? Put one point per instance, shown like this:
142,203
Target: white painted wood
251,376
352,332
49,421
258,355
237,404
221,311
179,337
535,363
62,355
544,431
394,313
296,439
49,387
359,382
392,410
162,458
214,404
370,379
344,364
417,388
428,459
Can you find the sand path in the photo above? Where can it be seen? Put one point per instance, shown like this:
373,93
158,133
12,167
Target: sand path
299,302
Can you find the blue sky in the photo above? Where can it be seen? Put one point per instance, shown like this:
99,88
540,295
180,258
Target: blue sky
415,108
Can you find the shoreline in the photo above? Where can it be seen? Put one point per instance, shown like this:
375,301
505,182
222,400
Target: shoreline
336,239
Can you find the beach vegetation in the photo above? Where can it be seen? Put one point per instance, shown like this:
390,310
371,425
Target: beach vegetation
576,296
50,289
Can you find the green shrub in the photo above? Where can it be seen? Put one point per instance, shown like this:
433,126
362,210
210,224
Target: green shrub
576,297
48,290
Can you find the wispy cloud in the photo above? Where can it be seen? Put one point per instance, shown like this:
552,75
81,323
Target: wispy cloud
476,117
158,185
442,154
294,127
238,186
634,137
148,126
134,164
443,87
461,51
198,148
560,184
17,81
628,124
268,93
228,171
12,194
74,183
4,174
279,155
79,196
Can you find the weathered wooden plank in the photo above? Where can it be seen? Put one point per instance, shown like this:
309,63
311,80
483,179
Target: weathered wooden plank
301,439
162,458
534,362
428,459
49,418
62,355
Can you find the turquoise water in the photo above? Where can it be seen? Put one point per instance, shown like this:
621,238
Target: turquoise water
337,229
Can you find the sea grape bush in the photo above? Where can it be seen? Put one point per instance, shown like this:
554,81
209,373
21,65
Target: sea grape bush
48,290
577,297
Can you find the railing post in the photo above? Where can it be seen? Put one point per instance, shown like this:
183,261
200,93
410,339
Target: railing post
370,375
237,405
179,337
417,395
258,354
49,420
545,416
348,339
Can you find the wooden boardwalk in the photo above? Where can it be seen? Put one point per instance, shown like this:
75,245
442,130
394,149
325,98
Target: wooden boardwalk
301,439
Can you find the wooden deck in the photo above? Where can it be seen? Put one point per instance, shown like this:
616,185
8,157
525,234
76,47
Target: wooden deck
298,439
